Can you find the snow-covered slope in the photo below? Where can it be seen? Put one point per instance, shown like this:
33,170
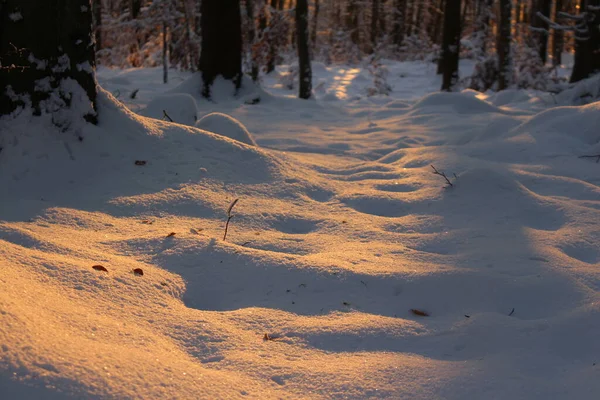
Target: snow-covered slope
341,237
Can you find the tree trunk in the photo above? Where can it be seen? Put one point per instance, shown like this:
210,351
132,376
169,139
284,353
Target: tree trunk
47,56
97,18
540,38
451,44
438,23
272,45
165,57
303,55
503,45
409,18
221,53
315,23
398,22
134,8
352,21
419,17
251,39
557,36
375,23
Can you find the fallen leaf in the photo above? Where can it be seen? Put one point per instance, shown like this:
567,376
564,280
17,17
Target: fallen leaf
269,337
196,231
140,162
171,234
420,313
99,268
147,221
138,271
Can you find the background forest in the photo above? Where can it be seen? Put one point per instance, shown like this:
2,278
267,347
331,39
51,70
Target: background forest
515,43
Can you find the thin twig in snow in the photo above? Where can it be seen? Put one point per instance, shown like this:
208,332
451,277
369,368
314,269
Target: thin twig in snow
229,216
442,174
596,156
166,116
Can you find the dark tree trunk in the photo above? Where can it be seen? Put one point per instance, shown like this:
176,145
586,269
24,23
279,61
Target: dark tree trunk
48,42
352,21
410,17
587,43
557,36
251,39
97,24
398,22
438,23
419,18
540,39
503,45
165,57
134,8
382,15
375,23
272,44
451,44
303,55
315,24
221,53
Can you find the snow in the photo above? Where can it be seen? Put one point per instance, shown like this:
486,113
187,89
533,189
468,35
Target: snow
341,229
15,16
225,125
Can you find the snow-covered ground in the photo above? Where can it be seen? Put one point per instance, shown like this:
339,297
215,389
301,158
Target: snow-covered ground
341,237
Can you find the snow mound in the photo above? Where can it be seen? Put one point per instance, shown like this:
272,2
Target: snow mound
566,125
509,96
480,190
398,104
224,125
180,107
462,103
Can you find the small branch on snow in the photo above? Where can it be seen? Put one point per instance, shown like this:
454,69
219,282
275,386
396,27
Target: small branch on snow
166,116
229,216
443,174
596,156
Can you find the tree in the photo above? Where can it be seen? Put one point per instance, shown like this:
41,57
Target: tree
303,54
221,43
539,32
557,36
313,32
252,39
450,44
503,45
47,58
97,22
375,32
398,22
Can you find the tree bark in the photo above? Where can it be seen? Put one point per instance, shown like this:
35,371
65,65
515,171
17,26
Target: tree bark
503,45
251,39
303,54
541,38
451,44
272,45
97,18
134,8
221,53
165,57
352,21
47,56
375,23
398,24
557,36
315,24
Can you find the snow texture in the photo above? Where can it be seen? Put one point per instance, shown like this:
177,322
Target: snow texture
225,125
341,229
